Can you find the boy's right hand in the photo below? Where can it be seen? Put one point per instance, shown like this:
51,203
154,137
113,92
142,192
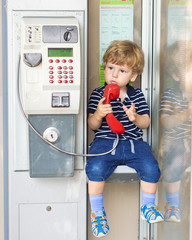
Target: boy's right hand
190,109
103,109
95,120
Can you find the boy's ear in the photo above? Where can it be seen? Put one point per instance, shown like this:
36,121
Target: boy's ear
133,77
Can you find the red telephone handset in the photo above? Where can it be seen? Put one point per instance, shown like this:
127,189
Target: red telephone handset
112,92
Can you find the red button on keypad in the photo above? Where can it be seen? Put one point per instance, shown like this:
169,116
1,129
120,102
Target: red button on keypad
67,70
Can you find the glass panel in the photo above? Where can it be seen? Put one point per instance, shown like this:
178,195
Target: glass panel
175,114
119,20
113,190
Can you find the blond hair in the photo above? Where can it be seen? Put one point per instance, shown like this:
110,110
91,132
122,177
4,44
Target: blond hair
125,53
178,57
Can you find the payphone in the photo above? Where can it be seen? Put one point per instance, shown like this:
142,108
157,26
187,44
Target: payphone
45,184
50,65
51,79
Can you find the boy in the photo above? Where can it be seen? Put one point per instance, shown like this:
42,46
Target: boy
175,117
123,62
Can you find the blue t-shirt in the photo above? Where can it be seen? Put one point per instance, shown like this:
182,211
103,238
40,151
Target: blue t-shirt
173,101
134,95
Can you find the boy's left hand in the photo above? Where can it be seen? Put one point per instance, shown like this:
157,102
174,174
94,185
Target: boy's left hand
131,112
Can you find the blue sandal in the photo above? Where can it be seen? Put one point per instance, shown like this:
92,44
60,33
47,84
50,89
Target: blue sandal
151,213
172,214
100,227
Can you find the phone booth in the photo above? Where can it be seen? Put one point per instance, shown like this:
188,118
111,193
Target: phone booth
44,117
47,79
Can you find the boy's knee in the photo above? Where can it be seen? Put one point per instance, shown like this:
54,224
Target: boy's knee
172,175
151,173
95,172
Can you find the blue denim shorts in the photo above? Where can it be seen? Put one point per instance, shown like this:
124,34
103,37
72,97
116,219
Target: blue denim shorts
136,154
173,160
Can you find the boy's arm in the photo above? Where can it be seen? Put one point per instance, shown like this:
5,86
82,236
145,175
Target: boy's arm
170,121
95,119
141,121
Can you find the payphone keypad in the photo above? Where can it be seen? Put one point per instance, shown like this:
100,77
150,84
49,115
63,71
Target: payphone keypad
51,65
61,58
61,71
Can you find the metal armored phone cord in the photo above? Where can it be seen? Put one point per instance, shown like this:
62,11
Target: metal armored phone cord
52,145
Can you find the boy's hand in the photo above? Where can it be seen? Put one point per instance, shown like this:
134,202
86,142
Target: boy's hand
131,112
190,110
103,109
95,120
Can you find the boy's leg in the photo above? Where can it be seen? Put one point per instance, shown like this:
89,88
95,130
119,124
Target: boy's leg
148,187
172,209
98,169
147,168
96,195
148,192
149,210
98,217
96,188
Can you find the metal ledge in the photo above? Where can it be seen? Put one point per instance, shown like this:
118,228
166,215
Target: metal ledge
123,174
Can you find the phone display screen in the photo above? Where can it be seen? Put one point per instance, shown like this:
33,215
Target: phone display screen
60,52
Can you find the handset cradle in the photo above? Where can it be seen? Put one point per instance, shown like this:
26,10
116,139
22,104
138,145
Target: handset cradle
112,92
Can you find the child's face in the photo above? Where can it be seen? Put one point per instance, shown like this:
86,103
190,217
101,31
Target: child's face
185,79
120,75
187,82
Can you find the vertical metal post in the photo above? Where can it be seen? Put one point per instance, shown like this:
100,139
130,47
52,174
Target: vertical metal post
147,31
155,90
147,46
150,84
1,144
155,84
5,117
190,216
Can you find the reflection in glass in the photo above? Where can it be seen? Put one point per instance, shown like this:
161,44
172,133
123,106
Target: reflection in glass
176,113
176,119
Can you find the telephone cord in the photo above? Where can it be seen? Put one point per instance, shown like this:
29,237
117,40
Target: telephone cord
45,140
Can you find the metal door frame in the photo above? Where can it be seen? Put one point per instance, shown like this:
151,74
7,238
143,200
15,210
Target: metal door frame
151,22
